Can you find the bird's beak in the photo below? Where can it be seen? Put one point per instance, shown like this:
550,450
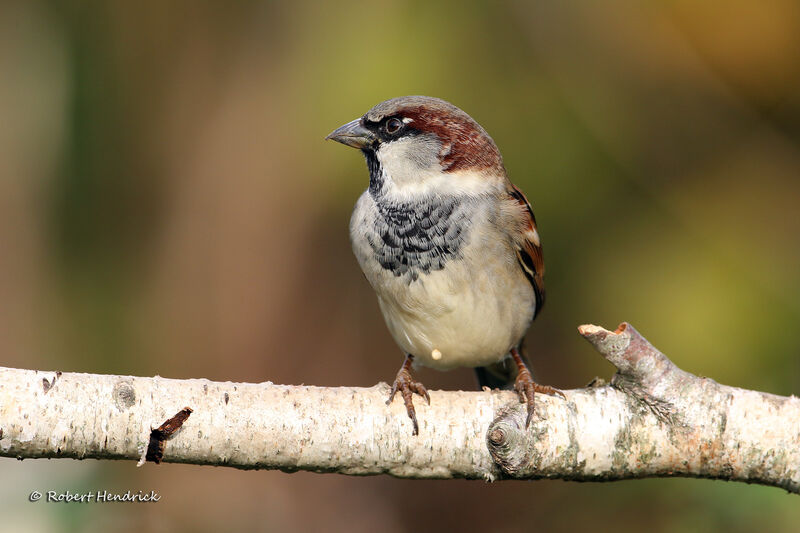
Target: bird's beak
352,134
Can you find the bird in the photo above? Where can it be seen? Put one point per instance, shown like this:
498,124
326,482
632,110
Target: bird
449,245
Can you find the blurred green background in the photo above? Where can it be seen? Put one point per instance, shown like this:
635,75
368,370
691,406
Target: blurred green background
168,206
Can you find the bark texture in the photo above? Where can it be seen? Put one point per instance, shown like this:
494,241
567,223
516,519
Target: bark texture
652,420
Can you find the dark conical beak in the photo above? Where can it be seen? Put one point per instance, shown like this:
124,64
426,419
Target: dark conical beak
352,134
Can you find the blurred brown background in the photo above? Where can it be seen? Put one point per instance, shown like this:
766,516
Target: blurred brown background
168,206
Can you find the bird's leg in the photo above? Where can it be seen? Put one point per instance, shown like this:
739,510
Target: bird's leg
407,387
526,387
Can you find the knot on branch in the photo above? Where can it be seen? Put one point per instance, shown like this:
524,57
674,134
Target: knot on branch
507,438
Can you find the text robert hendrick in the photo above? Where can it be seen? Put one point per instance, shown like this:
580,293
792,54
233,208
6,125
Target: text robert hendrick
99,496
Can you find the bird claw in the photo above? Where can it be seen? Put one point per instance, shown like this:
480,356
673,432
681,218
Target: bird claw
407,387
526,387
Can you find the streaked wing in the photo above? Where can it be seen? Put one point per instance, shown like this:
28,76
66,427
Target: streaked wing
529,249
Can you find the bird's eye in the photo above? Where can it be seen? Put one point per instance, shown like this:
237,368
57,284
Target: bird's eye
393,125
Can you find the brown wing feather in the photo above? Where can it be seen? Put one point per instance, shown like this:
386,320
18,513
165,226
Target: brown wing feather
529,251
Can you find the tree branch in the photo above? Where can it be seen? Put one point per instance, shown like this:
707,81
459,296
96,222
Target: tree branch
652,420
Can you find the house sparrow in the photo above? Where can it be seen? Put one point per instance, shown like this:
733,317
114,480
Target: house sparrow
448,243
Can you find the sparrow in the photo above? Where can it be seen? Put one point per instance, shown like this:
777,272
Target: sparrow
448,243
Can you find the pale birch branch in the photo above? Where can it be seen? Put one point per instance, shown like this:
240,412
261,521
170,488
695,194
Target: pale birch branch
652,420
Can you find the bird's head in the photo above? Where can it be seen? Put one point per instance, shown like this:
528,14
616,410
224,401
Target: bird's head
417,144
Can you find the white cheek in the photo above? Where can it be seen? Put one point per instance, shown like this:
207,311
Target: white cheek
405,158
411,168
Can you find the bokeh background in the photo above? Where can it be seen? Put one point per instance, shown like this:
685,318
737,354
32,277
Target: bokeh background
168,206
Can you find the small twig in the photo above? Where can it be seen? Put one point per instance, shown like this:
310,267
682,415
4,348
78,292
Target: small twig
159,436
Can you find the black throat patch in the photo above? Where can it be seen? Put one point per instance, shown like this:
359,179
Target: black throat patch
375,171
417,238
414,237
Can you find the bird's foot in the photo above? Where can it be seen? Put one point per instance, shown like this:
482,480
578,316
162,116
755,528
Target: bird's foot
406,385
526,387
